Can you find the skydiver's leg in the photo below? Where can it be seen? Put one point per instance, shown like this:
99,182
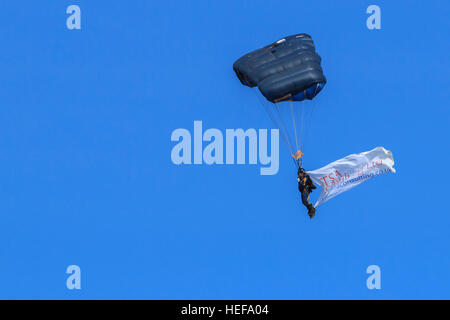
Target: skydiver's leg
305,198
311,211
307,204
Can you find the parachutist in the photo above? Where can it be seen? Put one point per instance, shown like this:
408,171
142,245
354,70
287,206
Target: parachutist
287,72
306,186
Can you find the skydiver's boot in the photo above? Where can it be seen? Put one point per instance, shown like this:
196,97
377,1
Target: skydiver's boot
311,211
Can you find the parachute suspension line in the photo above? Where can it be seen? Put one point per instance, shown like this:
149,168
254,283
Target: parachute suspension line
306,121
285,139
290,147
275,122
309,116
295,127
302,137
284,127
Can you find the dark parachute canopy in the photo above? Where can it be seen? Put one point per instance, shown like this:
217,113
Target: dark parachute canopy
286,70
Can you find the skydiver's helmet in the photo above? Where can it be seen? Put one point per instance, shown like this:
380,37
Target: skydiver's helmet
300,171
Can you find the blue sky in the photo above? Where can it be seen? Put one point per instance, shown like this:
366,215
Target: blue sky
86,176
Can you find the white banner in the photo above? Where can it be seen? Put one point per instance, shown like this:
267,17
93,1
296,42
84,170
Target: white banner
346,173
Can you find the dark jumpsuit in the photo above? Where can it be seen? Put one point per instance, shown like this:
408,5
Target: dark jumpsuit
306,186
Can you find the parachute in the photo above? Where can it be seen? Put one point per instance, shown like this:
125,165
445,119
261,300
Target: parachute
286,71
